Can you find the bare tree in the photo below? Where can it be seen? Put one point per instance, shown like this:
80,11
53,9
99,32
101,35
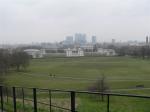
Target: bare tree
100,86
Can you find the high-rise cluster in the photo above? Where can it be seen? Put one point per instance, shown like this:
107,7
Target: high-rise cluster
79,38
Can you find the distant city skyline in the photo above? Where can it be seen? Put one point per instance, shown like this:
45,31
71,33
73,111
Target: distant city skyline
89,39
27,21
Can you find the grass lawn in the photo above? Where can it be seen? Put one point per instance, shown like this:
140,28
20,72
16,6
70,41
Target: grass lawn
81,72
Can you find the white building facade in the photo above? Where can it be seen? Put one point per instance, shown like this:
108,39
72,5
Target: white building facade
106,52
74,52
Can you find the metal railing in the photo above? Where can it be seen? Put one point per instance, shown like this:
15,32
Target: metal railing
4,92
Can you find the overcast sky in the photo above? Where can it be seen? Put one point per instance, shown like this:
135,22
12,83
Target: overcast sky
26,21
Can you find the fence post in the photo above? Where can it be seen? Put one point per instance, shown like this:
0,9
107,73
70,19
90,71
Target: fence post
72,101
1,95
7,94
35,99
107,102
14,99
50,100
23,98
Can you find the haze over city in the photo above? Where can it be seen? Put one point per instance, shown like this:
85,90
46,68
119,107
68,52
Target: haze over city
29,21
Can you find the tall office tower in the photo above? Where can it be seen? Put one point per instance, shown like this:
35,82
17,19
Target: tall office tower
94,40
69,40
80,38
113,41
146,39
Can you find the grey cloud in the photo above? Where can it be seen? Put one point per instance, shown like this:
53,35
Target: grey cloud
52,20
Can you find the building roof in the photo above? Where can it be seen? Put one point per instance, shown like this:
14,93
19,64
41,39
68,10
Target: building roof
31,50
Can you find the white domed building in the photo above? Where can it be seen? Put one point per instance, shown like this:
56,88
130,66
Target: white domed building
35,53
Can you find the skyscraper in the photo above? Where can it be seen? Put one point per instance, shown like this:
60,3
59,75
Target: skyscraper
146,39
94,41
69,40
80,38
113,41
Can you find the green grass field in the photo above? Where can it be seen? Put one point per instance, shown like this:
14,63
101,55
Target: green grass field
80,73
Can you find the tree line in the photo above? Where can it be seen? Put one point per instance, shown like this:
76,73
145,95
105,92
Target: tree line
15,60
135,51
